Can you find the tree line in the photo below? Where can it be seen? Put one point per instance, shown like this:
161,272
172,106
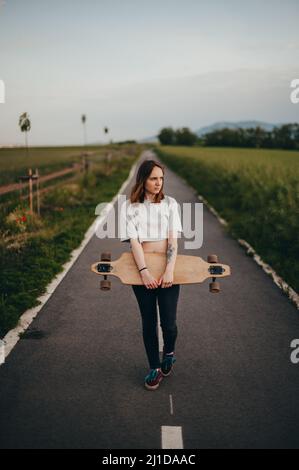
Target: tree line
280,137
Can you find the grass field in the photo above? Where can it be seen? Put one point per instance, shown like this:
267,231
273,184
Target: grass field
255,190
33,249
14,161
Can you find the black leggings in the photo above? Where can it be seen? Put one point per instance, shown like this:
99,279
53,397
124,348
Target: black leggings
167,301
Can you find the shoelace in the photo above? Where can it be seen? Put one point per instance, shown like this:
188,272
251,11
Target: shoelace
152,375
169,360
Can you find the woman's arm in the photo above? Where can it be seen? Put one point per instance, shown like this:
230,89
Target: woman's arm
172,249
166,279
174,227
138,253
148,280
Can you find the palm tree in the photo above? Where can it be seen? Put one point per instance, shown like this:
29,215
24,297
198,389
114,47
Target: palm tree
83,119
106,130
25,125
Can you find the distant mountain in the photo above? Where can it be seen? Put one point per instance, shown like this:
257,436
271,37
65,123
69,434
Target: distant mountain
221,125
234,125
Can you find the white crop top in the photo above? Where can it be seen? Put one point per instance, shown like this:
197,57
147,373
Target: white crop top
148,221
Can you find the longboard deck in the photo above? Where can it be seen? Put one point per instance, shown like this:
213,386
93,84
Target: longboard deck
188,269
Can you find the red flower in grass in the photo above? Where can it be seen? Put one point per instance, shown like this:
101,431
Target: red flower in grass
23,218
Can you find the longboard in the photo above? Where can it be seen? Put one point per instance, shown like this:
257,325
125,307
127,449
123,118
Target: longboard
188,269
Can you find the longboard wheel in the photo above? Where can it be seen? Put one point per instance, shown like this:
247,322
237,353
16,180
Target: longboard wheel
212,259
105,285
214,287
106,256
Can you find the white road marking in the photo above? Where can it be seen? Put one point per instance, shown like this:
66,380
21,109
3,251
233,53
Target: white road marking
171,437
2,352
171,404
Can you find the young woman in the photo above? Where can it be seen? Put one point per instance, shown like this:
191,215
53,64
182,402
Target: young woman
152,223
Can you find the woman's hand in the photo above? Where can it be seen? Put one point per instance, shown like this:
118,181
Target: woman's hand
166,279
148,280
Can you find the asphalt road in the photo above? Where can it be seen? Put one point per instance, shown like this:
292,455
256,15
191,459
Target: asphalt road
80,385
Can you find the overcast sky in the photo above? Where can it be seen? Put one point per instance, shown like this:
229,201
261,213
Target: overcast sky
137,65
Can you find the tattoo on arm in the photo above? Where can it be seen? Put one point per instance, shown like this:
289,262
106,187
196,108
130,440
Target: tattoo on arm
170,252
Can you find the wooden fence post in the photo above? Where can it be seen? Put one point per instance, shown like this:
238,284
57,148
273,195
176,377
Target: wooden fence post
30,191
108,163
37,192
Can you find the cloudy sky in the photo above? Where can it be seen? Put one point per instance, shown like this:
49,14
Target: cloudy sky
138,65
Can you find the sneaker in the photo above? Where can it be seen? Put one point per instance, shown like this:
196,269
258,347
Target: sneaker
167,364
153,379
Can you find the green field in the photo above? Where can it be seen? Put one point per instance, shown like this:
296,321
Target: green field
33,249
14,162
255,190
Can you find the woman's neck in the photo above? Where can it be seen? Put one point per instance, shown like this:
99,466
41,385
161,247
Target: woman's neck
149,197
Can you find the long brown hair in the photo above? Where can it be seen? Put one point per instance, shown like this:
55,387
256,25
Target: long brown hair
138,190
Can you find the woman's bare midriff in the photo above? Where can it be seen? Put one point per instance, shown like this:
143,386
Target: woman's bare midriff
155,247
